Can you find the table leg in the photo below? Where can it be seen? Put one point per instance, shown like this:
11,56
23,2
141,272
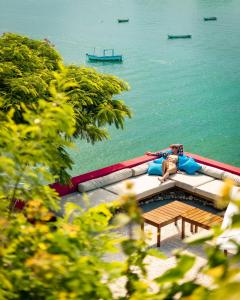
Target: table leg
196,228
142,226
183,229
175,222
158,236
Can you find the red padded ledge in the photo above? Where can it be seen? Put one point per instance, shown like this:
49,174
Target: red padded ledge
64,189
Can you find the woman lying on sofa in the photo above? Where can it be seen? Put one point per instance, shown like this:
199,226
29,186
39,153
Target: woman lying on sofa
171,161
169,165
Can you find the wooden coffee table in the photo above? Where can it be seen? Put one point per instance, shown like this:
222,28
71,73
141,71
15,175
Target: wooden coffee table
165,215
199,218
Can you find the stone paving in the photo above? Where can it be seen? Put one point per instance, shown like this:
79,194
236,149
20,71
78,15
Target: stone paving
170,242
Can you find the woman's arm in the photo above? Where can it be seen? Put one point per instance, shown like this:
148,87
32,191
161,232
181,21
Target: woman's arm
152,153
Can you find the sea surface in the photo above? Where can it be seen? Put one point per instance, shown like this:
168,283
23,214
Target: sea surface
182,91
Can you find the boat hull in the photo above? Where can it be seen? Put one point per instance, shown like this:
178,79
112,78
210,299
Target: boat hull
104,58
186,36
123,20
210,19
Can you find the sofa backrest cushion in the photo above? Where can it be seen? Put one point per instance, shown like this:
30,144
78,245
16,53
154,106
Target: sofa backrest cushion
235,178
140,169
211,171
104,180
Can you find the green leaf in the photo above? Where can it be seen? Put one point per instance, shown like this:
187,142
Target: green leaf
184,264
71,208
156,253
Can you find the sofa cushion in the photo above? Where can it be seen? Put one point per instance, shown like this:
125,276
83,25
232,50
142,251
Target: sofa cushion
210,171
144,186
190,166
155,169
230,237
140,169
234,177
105,180
229,240
189,182
159,160
212,189
182,159
227,220
95,197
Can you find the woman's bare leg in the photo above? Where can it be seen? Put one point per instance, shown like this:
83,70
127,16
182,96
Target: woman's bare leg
164,170
165,176
164,167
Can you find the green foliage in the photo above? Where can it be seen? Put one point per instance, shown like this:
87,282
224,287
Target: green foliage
68,259
55,260
29,150
184,264
93,103
27,69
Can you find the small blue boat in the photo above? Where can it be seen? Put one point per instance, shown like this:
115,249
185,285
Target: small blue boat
105,57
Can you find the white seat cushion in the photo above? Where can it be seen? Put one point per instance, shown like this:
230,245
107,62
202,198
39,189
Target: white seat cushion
210,171
95,197
140,169
144,186
104,180
212,190
229,235
189,182
229,239
230,211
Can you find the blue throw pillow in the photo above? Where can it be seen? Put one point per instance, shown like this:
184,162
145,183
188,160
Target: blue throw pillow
155,169
159,160
182,159
190,166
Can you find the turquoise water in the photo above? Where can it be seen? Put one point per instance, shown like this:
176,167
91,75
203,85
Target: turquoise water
185,91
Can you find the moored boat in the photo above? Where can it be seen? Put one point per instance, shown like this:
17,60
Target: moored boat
104,57
210,19
123,20
184,36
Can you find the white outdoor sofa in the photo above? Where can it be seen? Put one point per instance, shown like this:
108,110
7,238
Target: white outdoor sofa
206,184
228,240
